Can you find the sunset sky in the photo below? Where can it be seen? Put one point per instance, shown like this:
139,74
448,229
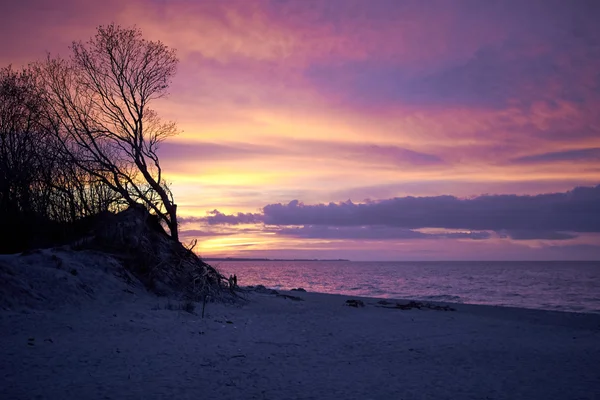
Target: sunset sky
367,129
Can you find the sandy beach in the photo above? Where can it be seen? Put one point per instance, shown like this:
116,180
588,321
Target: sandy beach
90,334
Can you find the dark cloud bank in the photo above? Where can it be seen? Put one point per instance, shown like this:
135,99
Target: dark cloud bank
554,216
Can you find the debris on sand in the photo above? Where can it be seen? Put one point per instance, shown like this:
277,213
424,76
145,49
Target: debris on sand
415,304
355,303
287,296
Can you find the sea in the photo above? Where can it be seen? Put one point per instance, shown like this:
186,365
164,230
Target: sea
547,285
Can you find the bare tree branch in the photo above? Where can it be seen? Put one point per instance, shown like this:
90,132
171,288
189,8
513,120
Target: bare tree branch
100,99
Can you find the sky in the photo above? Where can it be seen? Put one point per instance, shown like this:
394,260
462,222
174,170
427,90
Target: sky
367,130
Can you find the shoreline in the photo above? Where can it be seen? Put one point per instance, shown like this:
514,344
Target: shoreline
567,288
433,301
566,318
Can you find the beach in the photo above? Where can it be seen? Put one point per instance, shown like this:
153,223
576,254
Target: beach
113,340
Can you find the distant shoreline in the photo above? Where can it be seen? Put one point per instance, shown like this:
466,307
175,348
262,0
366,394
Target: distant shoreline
270,259
394,261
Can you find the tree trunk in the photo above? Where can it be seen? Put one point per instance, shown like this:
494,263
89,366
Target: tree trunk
173,223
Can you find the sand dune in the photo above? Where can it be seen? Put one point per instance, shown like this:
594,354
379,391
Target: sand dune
91,335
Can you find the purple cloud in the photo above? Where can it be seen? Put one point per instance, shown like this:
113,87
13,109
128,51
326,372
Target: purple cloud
468,188
549,52
591,154
216,217
213,151
531,235
394,155
372,233
366,153
194,233
577,210
546,216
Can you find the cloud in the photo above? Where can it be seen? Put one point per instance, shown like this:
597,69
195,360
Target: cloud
365,153
195,233
460,188
536,235
213,151
549,216
495,76
590,154
536,69
359,153
491,78
577,210
216,217
393,155
56,23
372,233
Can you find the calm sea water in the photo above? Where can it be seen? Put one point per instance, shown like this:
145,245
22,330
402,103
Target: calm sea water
563,286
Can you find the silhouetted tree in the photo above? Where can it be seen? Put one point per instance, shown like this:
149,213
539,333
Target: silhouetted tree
98,104
40,188
21,146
